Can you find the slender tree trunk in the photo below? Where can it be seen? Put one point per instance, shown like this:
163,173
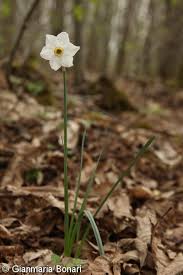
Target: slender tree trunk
124,37
78,12
106,35
19,38
170,54
93,41
148,42
58,16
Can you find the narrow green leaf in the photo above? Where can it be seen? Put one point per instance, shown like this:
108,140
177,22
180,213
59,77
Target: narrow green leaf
76,229
96,232
120,179
125,173
78,185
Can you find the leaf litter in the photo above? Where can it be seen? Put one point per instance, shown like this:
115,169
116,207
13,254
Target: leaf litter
140,235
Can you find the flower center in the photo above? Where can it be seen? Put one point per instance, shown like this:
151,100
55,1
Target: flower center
58,51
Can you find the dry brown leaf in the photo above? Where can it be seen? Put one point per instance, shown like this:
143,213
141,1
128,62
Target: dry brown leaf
87,169
100,266
24,231
141,192
132,244
42,255
145,219
161,259
130,268
126,244
9,222
43,190
130,256
50,126
171,254
142,248
12,175
174,267
175,234
110,248
16,109
4,232
73,134
145,181
167,154
11,250
117,269
54,202
119,205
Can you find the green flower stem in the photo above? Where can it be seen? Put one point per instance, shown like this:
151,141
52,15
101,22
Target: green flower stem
66,194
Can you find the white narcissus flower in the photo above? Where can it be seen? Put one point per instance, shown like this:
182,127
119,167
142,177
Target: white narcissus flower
59,51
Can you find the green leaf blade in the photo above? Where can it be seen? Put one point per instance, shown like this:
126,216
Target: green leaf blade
96,232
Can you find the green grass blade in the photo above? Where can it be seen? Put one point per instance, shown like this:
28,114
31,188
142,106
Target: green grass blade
125,173
76,229
78,185
120,179
96,232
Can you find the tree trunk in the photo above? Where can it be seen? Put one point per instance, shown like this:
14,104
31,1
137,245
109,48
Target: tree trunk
170,53
78,11
148,42
124,37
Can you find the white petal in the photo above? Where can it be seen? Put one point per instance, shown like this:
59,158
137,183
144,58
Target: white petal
46,53
55,64
71,49
50,40
63,37
67,61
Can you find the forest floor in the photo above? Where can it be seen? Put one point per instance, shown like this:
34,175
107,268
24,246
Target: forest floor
142,222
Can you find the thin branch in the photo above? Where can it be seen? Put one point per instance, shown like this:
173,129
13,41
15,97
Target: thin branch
160,220
19,38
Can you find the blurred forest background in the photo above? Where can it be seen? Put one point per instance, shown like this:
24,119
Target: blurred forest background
129,76
140,39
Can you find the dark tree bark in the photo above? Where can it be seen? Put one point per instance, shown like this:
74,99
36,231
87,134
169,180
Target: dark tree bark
106,25
93,41
170,53
149,40
58,17
124,37
78,27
